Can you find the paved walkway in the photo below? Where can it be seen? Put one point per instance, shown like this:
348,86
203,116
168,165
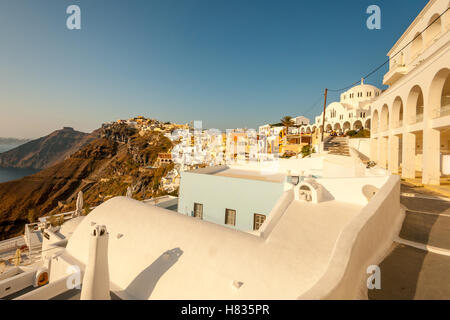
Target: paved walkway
442,190
418,266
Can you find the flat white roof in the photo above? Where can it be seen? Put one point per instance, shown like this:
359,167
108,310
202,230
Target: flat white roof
250,174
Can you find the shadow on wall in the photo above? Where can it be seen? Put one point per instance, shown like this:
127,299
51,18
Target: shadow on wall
326,195
144,284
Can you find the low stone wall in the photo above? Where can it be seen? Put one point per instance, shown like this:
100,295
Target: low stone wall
19,281
362,145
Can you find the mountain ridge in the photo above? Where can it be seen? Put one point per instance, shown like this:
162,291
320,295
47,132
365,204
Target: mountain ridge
46,151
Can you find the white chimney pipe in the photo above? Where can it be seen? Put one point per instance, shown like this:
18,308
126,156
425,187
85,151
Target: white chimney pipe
96,276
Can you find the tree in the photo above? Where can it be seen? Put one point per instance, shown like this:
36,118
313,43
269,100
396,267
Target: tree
286,122
307,150
87,210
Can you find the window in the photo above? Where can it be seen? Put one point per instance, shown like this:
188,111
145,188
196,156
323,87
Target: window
258,220
230,217
198,210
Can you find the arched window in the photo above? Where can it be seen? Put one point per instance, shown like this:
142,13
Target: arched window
434,30
416,46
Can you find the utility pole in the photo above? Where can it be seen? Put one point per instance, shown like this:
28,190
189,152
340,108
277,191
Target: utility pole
323,118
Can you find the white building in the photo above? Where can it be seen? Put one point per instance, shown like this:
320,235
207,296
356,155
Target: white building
411,120
352,112
301,121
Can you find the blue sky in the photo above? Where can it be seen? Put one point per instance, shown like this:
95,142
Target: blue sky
233,63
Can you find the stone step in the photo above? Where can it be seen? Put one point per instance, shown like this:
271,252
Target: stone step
408,273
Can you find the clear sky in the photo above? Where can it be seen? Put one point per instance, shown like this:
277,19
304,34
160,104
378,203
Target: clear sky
230,63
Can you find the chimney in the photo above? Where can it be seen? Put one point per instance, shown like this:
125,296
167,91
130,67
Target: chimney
362,81
96,276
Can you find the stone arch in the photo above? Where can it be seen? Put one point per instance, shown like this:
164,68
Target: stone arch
337,126
439,98
415,105
313,130
397,112
346,126
384,118
357,125
329,127
434,30
367,124
375,121
308,130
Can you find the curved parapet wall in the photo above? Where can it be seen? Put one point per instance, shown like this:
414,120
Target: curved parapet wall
361,244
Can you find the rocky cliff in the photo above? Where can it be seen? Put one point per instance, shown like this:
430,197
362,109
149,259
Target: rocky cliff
102,169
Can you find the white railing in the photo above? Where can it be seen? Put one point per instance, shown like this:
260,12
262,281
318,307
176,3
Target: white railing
398,124
419,117
441,112
11,244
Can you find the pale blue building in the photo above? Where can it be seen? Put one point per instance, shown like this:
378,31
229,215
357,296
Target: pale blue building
241,199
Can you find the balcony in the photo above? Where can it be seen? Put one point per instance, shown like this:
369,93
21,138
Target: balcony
395,73
441,112
383,128
397,124
419,117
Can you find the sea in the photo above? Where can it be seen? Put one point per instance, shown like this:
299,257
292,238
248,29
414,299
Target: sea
9,174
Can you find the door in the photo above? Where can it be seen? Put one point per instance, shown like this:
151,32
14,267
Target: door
198,210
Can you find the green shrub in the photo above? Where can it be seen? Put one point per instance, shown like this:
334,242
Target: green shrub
307,150
360,134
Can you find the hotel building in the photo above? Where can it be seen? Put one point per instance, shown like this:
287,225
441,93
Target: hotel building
411,120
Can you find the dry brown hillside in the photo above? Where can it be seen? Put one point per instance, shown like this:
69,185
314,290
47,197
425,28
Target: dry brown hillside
102,169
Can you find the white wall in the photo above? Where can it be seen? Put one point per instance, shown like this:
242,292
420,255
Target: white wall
362,145
362,243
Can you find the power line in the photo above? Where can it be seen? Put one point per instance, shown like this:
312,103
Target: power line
389,59
311,108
